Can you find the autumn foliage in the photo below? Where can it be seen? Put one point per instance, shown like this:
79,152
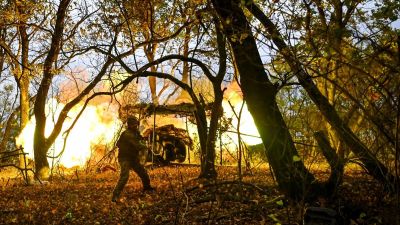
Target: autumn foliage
180,198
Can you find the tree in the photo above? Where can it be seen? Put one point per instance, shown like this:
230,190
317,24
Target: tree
151,20
159,35
7,116
53,64
18,13
370,162
207,136
15,44
292,176
333,49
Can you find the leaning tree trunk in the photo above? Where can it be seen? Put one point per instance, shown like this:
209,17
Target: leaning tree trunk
260,94
370,162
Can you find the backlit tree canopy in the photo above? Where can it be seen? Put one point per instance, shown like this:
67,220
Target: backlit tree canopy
304,68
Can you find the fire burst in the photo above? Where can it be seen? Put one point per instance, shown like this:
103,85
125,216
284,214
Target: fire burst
96,128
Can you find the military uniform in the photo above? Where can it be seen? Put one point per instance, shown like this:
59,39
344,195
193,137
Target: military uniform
130,148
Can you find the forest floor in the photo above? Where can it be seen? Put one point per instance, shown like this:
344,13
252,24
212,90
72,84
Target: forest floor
180,198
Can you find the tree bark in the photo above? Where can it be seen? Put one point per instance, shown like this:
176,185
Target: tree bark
260,94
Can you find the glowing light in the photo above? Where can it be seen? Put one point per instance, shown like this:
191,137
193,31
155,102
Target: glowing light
95,128
234,96
99,123
247,126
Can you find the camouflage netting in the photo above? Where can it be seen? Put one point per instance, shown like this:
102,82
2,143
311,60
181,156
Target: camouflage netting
145,109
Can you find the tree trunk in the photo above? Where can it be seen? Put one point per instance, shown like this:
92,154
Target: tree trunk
23,78
3,34
184,95
24,100
201,122
23,81
293,178
150,52
208,163
40,154
330,92
208,158
335,162
7,132
40,144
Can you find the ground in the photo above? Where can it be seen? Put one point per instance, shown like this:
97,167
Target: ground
84,198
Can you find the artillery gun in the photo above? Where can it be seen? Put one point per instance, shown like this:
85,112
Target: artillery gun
169,144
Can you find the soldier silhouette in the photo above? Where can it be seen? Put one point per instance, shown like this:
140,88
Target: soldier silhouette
130,147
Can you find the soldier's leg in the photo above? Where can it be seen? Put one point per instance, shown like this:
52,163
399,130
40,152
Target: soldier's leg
123,179
142,173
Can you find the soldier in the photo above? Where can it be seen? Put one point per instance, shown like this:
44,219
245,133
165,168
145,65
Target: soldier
130,148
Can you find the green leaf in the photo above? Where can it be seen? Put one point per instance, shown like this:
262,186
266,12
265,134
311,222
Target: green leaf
68,215
27,203
280,203
296,158
362,215
273,217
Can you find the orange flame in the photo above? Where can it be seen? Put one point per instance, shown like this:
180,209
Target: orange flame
97,126
234,96
99,123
